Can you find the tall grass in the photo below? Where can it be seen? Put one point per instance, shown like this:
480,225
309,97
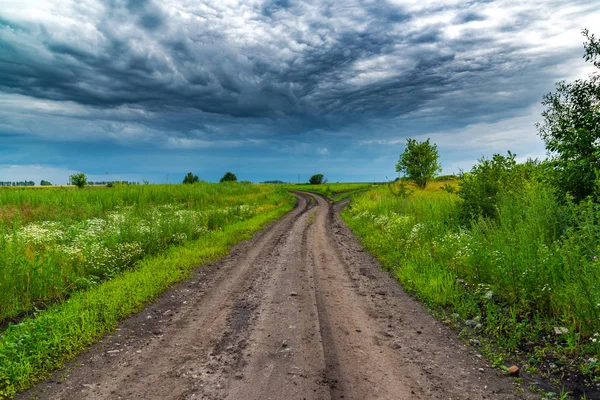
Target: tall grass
55,241
532,268
40,343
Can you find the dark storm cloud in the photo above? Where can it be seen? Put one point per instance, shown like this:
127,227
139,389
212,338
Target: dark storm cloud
315,75
161,61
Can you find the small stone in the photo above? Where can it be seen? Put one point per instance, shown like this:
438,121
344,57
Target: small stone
238,375
481,370
381,292
470,322
284,344
293,294
478,327
513,370
559,330
396,346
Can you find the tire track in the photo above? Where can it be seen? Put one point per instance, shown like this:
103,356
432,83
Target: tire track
298,312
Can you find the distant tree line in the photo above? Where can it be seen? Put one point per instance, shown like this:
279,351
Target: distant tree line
20,183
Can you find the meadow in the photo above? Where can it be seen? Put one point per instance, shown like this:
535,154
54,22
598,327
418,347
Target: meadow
526,280
334,191
74,262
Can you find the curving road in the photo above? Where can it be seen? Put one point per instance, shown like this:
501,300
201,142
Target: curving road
298,312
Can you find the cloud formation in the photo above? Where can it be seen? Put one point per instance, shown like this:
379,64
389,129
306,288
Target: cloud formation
278,74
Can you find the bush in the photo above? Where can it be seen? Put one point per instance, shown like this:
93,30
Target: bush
229,177
316,179
79,180
491,180
190,178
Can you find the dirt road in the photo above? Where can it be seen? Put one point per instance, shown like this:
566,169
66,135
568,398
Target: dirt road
298,312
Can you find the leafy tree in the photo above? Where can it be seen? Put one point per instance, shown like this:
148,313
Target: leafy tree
45,183
316,179
190,178
79,180
419,162
571,129
229,177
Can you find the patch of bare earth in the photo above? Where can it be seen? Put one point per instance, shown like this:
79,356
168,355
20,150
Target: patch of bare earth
298,312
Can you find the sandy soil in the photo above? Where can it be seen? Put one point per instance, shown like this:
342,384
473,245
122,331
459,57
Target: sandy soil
298,312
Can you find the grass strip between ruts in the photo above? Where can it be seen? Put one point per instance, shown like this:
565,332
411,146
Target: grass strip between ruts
40,344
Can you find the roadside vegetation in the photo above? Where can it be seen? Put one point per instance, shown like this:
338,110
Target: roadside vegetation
74,262
333,191
509,251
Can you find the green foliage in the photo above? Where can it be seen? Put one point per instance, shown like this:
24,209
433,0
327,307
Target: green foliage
490,180
229,177
55,241
335,191
529,266
316,179
45,183
419,162
448,188
43,342
571,130
190,179
79,180
399,189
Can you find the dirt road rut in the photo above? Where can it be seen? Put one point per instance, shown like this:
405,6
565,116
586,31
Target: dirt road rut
298,312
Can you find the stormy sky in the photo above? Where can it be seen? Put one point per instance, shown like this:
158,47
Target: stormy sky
143,89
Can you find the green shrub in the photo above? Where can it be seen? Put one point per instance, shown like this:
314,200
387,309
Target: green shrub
79,180
316,179
490,180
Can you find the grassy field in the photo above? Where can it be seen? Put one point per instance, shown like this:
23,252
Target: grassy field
75,262
55,241
512,280
334,191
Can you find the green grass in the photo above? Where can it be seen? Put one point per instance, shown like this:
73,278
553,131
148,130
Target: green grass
40,343
57,241
336,191
532,269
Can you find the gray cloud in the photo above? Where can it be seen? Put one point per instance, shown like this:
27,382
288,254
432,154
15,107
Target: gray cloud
281,72
291,58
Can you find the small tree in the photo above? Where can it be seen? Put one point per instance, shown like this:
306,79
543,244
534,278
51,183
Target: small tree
45,183
571,129
190,178
229,177
79,180
419,162
316,179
